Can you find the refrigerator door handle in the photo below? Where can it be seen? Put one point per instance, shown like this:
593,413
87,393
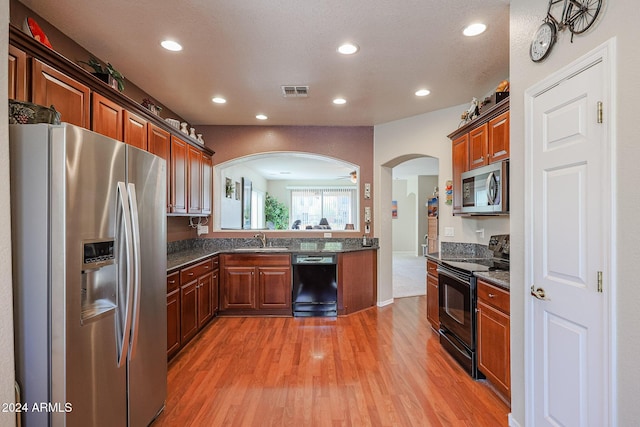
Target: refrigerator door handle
126,330
133,206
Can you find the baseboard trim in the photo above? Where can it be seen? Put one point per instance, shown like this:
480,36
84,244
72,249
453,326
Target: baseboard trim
512,421
383,303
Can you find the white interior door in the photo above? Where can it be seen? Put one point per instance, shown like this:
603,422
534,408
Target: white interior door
568,241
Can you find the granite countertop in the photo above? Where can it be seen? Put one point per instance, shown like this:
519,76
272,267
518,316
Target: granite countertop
184,255
498,278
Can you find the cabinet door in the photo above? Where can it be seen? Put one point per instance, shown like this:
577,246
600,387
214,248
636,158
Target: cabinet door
494,347
17,74
433,307
195,180
69,97
207,183
173,322
188,310
135,130
179,179
238,288
460,157
107,117
205,294
159,143
215,289
274,288
478,146
499,138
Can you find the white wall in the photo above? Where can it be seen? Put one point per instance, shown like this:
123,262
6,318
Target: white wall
617,19
410,226
6,300
401,140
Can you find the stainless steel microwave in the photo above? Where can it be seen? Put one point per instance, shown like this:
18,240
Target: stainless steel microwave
485,190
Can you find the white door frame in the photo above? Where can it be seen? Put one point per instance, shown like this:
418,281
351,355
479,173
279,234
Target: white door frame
605,53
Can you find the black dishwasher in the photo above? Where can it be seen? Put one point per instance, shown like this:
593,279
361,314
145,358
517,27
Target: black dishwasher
315,288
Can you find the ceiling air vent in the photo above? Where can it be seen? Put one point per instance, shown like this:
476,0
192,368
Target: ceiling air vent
292,91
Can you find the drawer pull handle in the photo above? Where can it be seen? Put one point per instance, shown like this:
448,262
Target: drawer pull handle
206,267
492,296
191,274
171,282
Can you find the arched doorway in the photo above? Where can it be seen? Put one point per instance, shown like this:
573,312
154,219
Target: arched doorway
412,181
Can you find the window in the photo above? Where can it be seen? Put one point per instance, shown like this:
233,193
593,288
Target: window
338,205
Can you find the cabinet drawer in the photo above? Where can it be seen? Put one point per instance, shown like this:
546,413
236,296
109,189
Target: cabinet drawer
257,260
432,268
215,262
493,296
173,282
195,271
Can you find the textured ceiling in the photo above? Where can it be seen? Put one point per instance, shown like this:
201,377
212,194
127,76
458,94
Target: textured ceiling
244,50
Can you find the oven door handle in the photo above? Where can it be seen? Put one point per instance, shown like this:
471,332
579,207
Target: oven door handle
455,276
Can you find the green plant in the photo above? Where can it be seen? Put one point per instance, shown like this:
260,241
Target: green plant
276,212
99,69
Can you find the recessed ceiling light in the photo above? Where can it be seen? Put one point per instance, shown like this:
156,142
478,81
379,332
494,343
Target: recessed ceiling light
339,101
474,29
348,48
171,45
261,117
219,100
423,92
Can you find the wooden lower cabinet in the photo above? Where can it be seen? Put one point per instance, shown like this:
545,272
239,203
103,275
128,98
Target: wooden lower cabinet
191,303
433,299
494,348
255,284
173,314
357,281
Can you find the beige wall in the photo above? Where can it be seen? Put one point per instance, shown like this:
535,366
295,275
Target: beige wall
618,20
6,306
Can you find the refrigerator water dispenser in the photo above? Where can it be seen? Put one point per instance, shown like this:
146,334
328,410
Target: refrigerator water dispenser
99,280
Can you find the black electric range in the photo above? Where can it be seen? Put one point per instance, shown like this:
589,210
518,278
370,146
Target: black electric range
498,244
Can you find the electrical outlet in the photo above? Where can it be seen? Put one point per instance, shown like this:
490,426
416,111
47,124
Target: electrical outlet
327,234
203,229
367,190
448,232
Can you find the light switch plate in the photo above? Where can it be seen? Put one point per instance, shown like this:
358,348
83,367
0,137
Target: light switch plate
367,190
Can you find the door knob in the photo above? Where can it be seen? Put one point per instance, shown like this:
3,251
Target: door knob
538,293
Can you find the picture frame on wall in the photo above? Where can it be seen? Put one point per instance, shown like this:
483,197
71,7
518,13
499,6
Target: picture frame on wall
246,203
394,209
238,191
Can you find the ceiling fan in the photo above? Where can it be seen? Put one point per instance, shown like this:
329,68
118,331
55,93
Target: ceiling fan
353,177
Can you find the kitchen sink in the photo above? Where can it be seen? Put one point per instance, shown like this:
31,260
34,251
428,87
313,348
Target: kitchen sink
261,249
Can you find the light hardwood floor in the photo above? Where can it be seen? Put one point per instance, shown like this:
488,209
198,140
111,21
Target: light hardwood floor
379,367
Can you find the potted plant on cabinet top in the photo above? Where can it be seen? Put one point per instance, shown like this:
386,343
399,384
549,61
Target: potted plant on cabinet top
107,74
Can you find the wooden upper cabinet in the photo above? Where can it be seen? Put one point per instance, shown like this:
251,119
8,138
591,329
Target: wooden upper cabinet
159,143
478,143
106,117
499,138
207,183
68,96
194,180
179,181
460,156
17,74
135,130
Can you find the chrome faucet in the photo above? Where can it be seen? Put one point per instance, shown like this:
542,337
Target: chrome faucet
263,239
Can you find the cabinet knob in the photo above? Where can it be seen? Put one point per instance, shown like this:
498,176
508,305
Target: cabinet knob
491,296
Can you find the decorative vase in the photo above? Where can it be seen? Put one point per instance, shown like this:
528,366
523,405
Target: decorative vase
200,140
183,128
192,133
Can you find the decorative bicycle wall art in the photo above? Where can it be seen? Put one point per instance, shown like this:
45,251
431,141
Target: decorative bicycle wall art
576,15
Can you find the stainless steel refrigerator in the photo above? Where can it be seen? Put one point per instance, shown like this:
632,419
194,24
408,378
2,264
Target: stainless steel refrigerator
89,276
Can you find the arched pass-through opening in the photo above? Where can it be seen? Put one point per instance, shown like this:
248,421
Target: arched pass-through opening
407,182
